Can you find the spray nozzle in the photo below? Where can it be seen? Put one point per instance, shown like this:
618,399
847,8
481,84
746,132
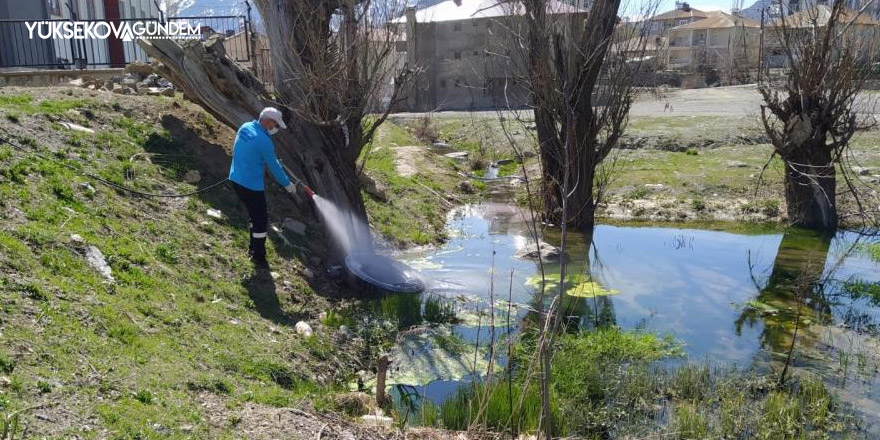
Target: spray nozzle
308,191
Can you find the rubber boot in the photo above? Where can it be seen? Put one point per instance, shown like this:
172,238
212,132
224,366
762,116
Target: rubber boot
258,252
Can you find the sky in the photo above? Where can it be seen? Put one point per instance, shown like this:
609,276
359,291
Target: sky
233,7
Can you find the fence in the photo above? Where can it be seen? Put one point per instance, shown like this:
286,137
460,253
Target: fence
18,49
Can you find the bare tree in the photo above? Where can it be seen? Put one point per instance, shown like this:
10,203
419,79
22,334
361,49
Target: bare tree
813,114
330,60
582,88
582,74
173,8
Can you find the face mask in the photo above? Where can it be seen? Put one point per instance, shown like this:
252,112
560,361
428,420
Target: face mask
273,131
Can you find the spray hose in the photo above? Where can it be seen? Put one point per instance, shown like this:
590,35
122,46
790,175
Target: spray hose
309,192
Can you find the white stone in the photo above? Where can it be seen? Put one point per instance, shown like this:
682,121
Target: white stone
376,420
458,155
75,127
76,238
214,213
303,328
96,259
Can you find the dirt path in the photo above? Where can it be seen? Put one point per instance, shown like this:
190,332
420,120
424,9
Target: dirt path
406,159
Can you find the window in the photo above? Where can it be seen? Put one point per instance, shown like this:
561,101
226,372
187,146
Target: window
489,24
474,22
442,83
457,55
475,53
507,53
458,27
457,83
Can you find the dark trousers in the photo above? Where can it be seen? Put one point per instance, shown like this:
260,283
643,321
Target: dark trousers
255,202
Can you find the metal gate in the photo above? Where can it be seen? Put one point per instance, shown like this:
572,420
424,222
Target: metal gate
19,50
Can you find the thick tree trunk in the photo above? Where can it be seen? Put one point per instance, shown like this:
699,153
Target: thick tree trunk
810,185
320,156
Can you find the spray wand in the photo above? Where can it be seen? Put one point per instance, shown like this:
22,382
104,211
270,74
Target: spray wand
309,192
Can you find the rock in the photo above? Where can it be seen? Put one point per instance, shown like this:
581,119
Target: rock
168,91
280,234
214,213
96,259
308,273
466,187
75,127
545,252
141,68
76,82
76,238
458,155
736,164
303,328
376,420
441,145
373,188
87,187
5,382
654,186
861,171
274,275
192,176
295,226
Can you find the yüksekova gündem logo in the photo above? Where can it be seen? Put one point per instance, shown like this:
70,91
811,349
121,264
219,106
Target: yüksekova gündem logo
101,30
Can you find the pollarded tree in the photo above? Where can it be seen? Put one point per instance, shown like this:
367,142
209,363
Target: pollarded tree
331,59
582,77
812,115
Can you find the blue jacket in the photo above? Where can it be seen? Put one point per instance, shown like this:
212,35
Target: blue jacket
252,152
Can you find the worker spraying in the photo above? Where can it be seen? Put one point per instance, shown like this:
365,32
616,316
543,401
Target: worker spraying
252,153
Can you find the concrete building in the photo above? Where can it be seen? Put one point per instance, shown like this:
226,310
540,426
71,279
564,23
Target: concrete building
720,41
17,49
466,55
860,26
661,24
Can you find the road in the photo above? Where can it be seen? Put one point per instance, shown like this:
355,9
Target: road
736,101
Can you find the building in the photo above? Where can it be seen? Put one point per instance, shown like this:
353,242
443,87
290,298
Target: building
683,14
466,55
864,28
720,41
17,49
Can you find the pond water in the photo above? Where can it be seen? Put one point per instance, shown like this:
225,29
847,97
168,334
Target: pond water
730,298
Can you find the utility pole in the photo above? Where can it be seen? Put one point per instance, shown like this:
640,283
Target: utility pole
161,12
250,38
761,46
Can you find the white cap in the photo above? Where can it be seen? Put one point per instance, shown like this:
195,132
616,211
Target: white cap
275,115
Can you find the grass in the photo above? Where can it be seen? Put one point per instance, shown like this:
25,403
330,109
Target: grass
414,212
184,316
610,383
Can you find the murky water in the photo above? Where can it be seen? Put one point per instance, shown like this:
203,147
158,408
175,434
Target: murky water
730,298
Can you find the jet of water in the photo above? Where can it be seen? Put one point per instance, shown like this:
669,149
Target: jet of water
349,231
